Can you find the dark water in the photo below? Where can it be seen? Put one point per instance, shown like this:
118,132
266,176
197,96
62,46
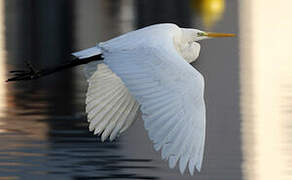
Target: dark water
43,127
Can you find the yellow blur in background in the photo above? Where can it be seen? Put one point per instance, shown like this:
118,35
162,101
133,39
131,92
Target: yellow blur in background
210,11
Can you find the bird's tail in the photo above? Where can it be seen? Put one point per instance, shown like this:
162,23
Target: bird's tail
91,67
89,52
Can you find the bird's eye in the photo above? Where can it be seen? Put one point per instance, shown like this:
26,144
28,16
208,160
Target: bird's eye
200,34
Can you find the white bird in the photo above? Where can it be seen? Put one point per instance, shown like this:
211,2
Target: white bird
147,70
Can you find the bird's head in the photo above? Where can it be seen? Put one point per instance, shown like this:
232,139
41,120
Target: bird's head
197,35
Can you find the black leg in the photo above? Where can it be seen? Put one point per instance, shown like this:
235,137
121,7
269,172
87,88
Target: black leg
32,73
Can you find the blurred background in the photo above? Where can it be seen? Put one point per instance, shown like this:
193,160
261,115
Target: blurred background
43,127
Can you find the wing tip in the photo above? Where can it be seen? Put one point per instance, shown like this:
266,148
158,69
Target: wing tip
192,168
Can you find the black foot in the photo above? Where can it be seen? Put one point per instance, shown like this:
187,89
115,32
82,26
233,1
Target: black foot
22,75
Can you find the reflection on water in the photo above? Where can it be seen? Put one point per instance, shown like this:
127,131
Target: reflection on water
2,63
266,89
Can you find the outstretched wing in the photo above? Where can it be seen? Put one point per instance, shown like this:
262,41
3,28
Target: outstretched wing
110,107
170,92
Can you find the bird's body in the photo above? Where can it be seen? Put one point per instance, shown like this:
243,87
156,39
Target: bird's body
149,70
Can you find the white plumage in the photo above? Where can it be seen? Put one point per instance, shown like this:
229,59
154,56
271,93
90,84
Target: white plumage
149,69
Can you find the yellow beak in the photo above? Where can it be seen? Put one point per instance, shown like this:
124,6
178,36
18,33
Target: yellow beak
211,34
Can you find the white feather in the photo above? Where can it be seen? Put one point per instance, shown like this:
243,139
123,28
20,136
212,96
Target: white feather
88,52
131,117
107,100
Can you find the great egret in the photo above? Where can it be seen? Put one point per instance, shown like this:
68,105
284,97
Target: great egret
146,69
